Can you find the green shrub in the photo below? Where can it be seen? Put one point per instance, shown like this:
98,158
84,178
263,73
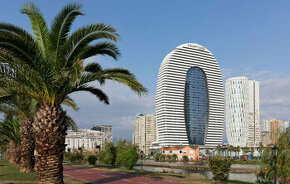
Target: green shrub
162,158
220,167
185,158
157,156
75,157
283,158
92,159
128,157
108,155
66,155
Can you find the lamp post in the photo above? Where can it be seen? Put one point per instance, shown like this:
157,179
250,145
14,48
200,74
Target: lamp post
275,154
141,155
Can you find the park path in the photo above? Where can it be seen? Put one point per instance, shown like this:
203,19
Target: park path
91,176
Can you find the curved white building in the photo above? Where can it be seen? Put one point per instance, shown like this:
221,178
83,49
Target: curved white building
190,98
242,112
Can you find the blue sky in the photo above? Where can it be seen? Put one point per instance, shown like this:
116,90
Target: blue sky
249,38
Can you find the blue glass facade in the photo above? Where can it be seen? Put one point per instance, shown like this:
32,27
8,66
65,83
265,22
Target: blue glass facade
196,105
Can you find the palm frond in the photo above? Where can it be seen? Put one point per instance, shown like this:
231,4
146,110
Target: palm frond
95,91
93,67
70,103
127,80
96,74
85,35
18,40
39,27
10,128
70,123
61,25
101,48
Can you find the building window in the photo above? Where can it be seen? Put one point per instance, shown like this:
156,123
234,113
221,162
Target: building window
196,105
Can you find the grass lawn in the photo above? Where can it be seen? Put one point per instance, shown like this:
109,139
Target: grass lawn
9,172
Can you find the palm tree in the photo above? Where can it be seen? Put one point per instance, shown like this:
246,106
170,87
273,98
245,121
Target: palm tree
207,152
10,135
252,150
169,157
261,147
238,150
174,157
246,150
26,107
230,149
162,158
219,148
48,66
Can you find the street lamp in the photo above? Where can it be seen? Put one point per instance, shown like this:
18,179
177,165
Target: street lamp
275,154
141,155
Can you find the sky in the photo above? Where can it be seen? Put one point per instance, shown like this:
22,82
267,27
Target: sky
248,38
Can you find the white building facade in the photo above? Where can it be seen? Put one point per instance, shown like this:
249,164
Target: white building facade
190,98
88,139
243,112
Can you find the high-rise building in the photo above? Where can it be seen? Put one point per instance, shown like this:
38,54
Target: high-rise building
93,139
242,112
274,130
271,130
145,132
266,132
190,98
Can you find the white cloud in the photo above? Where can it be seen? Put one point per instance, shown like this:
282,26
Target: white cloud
275,98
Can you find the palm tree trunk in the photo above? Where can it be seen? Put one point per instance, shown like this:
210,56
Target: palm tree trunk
27,146
12,154
49,130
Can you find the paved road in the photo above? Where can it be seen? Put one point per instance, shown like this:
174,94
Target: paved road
91,176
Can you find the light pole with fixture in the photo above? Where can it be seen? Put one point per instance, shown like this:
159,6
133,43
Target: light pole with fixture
141,155
275,154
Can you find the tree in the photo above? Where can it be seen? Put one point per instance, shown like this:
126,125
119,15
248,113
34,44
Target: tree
13,103
108,155
169,157
129,156
230,149
220,167
49,65
162,158
207,152
252,151
261,147
219,148
185,158
25,109
174,157
283,158
10,136
238,150
92,159
157,156
246,150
